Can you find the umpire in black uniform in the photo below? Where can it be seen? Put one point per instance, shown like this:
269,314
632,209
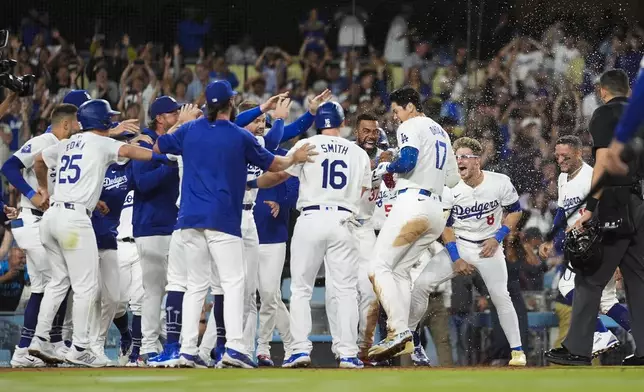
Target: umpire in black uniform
619,209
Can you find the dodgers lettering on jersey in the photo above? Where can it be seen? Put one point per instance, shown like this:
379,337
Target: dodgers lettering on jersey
573,192
478,212
384,202
125,221
436,160
252,173
337,176
81,163
116,185
27,155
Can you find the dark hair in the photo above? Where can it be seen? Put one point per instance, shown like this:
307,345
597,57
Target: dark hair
246,105
406,95
61,111
366,117
571,140
615,81
215,108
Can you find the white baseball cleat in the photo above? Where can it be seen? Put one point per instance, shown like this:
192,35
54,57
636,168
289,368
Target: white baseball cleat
85,358
45,351
22,359
604,342
350,363
61,349
100,353
518,358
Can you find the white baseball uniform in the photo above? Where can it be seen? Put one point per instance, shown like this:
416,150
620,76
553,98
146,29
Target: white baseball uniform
477,215
66,229
177,272
131,280
416,219
571,194
329,195
26,229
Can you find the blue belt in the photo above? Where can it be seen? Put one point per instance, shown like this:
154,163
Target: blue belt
423,192
247,207
317,208
71,206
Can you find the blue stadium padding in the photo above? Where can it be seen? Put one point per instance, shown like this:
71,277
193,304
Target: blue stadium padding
5,357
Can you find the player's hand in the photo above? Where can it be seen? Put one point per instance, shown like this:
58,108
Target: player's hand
489,247
10,212
125,127
380,170
614,164
305,153
275,207
585,217
189,112
102,207
12,273
141,139
545,250
40,200
271,104
282,108
315,102
462,267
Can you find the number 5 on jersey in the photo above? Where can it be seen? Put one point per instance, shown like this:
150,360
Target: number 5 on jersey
332,174
70,171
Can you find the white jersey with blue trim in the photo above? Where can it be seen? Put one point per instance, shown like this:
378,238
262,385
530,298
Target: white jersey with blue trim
27,155
384,202
436,158
573,192
368,200
180,166
477,213
125,222
253,173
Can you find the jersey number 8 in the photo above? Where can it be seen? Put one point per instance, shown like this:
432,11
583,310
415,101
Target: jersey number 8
332,174
70,171
490,220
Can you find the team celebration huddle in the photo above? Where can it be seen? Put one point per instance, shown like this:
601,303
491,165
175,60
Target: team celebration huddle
112,219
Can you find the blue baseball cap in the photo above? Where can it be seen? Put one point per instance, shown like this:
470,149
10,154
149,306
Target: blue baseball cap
219,91
77,97
163,104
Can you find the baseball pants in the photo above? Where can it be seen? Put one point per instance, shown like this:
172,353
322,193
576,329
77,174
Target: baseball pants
368,305
272,312
494,273
210,249
68,236
130,279
177,273
434,269
108,298
251,258
320,234
414,222
28,239
609,294
153,252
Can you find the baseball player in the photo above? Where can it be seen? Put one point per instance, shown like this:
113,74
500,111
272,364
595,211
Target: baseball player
66,230
574,184
476,229
215,154
425,165
19,172
329,194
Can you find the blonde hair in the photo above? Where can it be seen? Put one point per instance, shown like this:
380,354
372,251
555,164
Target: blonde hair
468,142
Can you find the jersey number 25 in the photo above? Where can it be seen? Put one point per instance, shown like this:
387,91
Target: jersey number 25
332,174
70,171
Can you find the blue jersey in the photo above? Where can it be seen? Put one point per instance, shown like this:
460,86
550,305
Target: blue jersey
215,157
156,189
116,185
633,116
274,230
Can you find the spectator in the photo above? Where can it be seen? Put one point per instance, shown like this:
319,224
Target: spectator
273,64
104,88
590,102
313,66
313,27
337,83
350,21
256,89
417,84
397,42
630,57
242,53
220,71
564,54
138,85
418,59
13,274
198,84
191,33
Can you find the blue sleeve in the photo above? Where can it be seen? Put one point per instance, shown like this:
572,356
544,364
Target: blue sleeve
246,117
406,162
298,127
150,175
560,234
11,169
633,115
274,135
292,192
450,220
256,154
514,207
172,143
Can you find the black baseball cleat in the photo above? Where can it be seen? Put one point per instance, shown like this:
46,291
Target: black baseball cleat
632,360
561,356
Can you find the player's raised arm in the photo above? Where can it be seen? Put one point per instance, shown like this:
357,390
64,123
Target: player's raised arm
304,122
248,116
302,155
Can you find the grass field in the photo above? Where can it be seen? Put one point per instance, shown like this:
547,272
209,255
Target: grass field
614,379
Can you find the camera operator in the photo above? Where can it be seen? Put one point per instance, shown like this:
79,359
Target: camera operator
619,210
5,105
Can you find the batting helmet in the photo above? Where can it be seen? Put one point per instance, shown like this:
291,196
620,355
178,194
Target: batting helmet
329,115
583,248
96,114
77,97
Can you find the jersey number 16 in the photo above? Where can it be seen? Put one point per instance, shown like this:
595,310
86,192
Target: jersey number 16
70,171
332,174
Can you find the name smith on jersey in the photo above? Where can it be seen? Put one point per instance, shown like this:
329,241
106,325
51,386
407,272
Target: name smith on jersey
477,210
335,148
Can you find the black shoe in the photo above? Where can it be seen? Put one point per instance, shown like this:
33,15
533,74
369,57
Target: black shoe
632,360
561,356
